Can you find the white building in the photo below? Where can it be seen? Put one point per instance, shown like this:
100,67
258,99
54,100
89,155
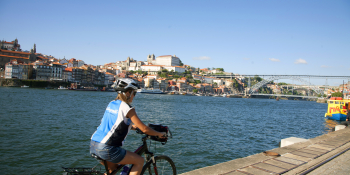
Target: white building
168,60
152,69
218,81
178,69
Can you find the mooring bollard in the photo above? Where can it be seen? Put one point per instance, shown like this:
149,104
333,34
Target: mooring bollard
291,140
339,127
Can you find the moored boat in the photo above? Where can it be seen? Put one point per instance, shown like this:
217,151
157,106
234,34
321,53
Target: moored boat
336,108
24,86
62,88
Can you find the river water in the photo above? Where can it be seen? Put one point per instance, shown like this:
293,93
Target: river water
43,130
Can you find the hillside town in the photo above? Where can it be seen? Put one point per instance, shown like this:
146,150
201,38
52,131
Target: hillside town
165,72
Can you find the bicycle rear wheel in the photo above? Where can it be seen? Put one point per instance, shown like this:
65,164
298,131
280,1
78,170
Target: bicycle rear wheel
163,166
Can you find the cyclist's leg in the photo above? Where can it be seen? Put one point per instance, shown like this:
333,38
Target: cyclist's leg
111,166
136,160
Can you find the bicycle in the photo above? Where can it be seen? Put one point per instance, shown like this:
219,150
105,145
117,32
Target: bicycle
157,165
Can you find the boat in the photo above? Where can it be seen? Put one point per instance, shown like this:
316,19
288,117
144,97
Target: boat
224,95
336,108
62,88
150,91
24,86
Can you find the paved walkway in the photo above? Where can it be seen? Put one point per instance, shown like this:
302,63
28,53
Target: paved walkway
298,158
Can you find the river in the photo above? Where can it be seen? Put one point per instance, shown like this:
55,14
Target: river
45,129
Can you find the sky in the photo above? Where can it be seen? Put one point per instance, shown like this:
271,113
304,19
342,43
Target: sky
289,37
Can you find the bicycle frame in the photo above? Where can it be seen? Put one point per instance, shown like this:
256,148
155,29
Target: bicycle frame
143,149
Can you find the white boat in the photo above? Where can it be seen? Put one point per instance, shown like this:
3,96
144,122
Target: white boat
61,87
225,95
24,86
150,91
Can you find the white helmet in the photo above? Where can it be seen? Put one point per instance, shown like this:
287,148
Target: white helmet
125,84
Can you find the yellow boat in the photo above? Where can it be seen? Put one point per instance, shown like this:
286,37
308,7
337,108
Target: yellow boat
336,108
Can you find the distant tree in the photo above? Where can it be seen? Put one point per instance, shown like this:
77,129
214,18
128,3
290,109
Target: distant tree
282,83
197,81
337,94
195,90
257,78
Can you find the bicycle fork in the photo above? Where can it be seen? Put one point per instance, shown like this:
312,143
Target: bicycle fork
150,157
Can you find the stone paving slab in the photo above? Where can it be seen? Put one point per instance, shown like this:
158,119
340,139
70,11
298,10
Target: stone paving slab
290,160
236,173
297,157
318,146
281,164
252,170
317,150
314,152
269,167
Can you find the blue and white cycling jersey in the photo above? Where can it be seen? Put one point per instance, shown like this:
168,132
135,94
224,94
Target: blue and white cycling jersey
114,125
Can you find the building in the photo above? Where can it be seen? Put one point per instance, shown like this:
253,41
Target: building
218,81
11,69
151,59
14,46
57,70
168,60
42,71
7,55
178,69
151,69
67,75
25,71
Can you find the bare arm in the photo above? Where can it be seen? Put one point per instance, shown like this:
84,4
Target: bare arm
139,124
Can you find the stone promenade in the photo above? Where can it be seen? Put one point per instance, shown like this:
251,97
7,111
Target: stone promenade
326,154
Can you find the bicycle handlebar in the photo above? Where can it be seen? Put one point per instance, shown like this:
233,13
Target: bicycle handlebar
168,134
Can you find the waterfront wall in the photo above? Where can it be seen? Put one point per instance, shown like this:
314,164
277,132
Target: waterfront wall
31,83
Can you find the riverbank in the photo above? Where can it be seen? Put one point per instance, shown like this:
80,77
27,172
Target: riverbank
31,83
297,158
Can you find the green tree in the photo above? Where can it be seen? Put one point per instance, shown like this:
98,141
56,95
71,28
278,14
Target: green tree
337,94
257,78
195,90
197,81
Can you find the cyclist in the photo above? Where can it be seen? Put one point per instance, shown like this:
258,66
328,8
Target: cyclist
117,121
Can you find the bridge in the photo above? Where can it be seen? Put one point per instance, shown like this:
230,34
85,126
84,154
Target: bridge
283,95
269,78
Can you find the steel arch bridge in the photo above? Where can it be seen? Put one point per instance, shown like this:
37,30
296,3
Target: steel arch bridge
254,88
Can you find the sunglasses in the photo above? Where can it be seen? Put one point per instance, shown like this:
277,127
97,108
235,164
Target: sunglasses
135,93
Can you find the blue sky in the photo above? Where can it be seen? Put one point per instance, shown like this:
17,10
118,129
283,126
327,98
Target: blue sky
309,37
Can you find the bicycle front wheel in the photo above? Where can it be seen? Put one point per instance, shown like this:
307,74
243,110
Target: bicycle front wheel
163,166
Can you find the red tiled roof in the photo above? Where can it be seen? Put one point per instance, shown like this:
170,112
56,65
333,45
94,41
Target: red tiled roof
14,57
14,52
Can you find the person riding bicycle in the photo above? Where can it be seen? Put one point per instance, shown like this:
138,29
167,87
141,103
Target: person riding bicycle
118,119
